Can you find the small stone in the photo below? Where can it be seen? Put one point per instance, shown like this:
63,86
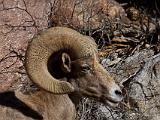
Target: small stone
147,46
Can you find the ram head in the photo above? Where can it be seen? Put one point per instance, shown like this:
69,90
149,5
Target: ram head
62,61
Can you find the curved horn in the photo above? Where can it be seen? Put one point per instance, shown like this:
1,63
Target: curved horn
44,45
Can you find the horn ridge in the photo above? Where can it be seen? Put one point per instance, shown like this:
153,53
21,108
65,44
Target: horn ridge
49,42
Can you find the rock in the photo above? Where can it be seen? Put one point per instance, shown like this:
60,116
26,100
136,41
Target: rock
140,76
86,14
19,22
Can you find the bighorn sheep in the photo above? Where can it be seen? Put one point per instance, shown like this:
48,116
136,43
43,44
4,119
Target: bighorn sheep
64,64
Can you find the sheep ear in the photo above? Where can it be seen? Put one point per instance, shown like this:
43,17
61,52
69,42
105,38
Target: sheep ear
66,63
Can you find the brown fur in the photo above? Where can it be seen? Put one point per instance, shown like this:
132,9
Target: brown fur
81,71
50,106
95,83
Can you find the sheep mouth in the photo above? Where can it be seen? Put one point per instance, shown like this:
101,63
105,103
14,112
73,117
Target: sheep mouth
113,101
110,102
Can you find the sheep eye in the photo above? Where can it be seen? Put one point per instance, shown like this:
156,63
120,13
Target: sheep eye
85,67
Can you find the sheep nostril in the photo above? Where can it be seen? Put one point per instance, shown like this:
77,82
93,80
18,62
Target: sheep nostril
118,93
